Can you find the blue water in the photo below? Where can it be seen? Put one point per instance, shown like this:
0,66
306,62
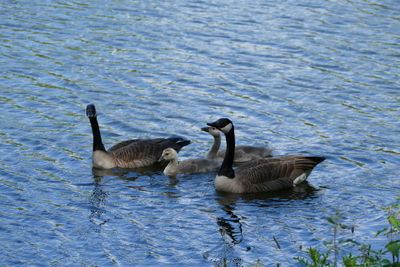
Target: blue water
312,77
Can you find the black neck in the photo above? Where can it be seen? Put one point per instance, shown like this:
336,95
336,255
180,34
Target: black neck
226,167
97,143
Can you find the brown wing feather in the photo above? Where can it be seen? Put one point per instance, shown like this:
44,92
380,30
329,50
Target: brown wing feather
265,172
137,154
122,144
273,173
269,160
143,152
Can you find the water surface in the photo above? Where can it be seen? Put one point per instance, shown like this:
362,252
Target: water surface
312,77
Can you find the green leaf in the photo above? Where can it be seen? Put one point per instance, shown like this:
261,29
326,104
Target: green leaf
393,247
350,260
318,259
382,231
394,221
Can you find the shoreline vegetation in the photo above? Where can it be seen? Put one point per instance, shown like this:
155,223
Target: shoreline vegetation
335,253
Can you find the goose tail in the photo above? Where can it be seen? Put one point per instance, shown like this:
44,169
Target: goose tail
317,160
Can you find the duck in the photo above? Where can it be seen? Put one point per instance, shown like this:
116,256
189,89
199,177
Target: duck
187,166
128,154
261,175
243,153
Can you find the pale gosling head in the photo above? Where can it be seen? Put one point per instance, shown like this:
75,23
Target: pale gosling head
169,154
211,130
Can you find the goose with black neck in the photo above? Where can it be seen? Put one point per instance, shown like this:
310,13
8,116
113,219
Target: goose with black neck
262,175
129,154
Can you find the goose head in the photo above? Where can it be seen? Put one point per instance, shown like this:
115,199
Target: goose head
211,130
91,111
169,154
225,125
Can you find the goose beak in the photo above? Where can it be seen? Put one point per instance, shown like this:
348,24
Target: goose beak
90,111
161,158
205,129
213,124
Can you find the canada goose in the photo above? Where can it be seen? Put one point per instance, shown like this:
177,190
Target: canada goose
187,166
242,153
262,175
131,153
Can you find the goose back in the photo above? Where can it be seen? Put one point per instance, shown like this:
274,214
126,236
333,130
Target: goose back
247,153
142,152
274,174
243,153
192,166
187,166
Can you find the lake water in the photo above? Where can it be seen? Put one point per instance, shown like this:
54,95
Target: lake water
311,77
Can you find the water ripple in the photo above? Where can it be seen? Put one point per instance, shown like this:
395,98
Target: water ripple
303,77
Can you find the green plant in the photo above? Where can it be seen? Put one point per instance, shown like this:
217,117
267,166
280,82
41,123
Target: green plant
392,233
318,259
388,256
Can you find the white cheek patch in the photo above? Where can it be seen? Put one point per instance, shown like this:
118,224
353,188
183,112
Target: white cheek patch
227,128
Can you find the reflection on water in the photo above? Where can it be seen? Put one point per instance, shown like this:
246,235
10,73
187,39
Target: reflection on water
318,78
230,227
96,202
234,228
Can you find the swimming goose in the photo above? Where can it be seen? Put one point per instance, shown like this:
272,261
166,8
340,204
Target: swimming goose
131,153
262,175
242,153
187,166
